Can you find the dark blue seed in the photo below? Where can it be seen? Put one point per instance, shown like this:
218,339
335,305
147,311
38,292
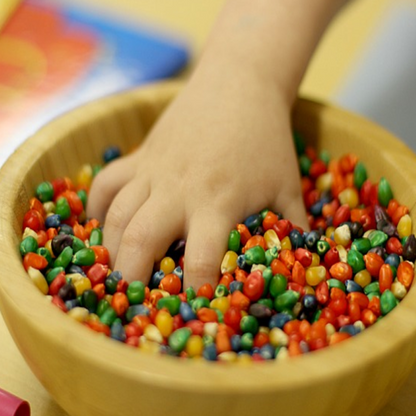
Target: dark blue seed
156,279
111,153
253,221
176,250
380,214
66,229
381,251
409,249
350,329
304,346
311,239
73,268
210,352
67,292
241,261
259,311
179,272
351,286
89,300
117,331
235,342
267,351
279,320
135,310
111,282
296,239
316,208
236,285
72,303
59,242
186,312
393,260
53,221
309,304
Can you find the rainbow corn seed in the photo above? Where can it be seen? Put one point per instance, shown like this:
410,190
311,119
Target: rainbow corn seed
282,292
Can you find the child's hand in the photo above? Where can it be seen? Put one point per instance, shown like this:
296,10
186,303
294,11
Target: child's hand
219,153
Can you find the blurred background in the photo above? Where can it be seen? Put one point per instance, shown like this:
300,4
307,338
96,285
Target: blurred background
56,54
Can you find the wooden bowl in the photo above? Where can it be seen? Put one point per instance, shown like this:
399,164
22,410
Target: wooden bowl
89,374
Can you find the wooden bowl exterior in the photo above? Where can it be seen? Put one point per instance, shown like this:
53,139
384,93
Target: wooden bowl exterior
89,374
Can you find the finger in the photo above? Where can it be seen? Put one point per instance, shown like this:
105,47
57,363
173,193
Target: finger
107,184
123,208
205,248
147,238
293,209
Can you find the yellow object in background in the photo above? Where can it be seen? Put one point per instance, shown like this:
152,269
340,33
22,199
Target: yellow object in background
6,9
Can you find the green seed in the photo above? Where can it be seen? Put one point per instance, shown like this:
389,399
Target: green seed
102,306
384,192
221,291
373,287
363,245
247,341
96,237
263,213
271,254
234,241
28,245
200,302
377,238
299,143
356,260
286,300
82,194
178,339
44,191
44,252
278,285
249,324
266,302
171,303
190,293
322,247
89,300
387,302
109,316
77,244
255,255
62,208
267,276
360,175
136,292
335,283
84,257
64,259
52,273
325,156
304,165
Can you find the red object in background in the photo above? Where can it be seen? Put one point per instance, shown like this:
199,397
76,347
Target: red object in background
10,405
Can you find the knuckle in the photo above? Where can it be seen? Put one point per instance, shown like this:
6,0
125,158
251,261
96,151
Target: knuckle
116,217
137,238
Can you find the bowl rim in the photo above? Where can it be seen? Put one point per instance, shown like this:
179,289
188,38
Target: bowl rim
372,346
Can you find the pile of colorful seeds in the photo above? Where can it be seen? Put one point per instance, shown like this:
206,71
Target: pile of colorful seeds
282,291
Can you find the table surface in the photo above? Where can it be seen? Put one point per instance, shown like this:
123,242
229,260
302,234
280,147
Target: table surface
334,58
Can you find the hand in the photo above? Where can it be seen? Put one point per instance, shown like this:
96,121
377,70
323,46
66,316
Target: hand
222,151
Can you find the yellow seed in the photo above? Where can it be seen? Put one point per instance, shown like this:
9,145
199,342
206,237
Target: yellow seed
39,280
329,233
272,239
350,197
147,346
315,275
163,292
92,317
330,329
315,259
211,329
297,308
286,244
49,207
79,313
84,176
167,265
228,356
398,289
359,325
82,285
278,337
342,253
48,246
260,267
342,235
309,290
229,262
368,233
29,232
108,298
244,359
223,304
152,333
164,322
363,278
324,182
82,218
404,227
264,330
194,346
74,277
283,354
